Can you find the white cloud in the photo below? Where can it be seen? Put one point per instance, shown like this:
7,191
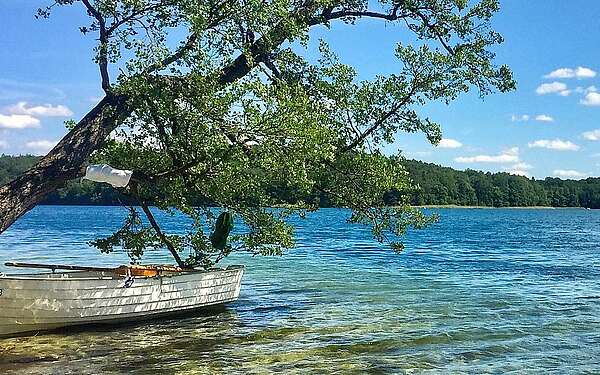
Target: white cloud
507,156
518,172
519,169
544,118
579,73
449,143
40,147
568,173
46,110
552,88
591,99
518,118
583,72
554,144
592,135
561,73
585,90
3,144
523,118
18,122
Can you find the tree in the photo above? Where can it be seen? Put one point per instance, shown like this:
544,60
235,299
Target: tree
234,109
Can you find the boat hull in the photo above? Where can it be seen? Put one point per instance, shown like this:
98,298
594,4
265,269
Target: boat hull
33,303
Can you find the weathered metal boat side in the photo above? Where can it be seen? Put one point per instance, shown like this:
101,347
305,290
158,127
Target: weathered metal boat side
39,302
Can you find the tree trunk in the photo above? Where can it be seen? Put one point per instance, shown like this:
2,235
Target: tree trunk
65,162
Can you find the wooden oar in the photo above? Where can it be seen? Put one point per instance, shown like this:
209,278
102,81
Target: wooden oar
59,267
133,270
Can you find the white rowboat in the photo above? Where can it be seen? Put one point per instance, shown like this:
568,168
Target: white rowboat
31,303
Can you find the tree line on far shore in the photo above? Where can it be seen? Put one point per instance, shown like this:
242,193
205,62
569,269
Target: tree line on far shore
447,186
436,185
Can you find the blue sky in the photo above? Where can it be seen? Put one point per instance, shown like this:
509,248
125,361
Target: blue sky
548,127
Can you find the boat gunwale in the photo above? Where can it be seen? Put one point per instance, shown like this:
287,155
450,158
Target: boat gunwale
40,276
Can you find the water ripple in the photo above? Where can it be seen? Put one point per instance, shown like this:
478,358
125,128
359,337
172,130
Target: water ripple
482,291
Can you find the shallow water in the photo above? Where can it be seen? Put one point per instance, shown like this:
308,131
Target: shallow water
482,291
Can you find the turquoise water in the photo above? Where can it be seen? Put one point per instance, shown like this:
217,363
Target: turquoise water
482,291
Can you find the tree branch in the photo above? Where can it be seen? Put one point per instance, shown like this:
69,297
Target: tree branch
178,54
355,13
395,108
156,227
434,29
116,24
190,42
102,53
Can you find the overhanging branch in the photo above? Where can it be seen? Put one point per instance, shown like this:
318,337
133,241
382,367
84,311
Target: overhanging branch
377,124
163,238
103,49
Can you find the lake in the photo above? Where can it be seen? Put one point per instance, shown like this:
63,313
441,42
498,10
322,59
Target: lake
481,291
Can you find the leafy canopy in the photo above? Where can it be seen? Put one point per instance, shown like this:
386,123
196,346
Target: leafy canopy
227,112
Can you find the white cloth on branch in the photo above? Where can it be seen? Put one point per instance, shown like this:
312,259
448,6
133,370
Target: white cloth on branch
108,174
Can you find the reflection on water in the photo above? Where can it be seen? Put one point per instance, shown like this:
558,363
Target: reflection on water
483,291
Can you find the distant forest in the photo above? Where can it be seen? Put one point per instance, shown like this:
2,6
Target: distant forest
436,185
447,186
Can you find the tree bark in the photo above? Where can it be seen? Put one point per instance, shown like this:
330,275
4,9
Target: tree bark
64,162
